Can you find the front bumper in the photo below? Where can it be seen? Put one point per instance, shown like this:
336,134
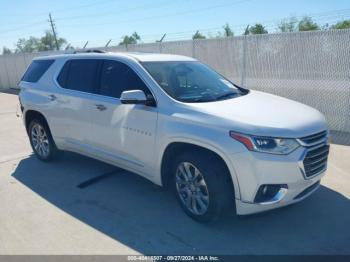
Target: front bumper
293,195
256,169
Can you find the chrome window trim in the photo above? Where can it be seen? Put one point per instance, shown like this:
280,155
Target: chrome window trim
59,87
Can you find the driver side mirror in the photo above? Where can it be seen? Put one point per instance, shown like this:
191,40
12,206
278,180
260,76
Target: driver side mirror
136,97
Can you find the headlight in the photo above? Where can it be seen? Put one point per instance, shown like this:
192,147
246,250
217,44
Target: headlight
271,145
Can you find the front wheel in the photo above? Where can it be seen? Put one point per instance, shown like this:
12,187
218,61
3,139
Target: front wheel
202,186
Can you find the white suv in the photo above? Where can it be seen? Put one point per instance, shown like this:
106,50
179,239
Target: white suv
178,123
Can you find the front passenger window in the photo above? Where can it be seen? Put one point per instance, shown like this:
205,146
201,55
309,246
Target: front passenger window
117,77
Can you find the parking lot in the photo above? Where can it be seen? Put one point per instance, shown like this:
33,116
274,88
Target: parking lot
58,208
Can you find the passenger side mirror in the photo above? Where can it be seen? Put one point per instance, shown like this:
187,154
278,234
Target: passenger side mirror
136,97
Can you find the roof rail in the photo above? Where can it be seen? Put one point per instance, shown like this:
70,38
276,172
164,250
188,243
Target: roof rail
89,51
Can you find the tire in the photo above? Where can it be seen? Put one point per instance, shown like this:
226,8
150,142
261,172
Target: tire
41,140
215,188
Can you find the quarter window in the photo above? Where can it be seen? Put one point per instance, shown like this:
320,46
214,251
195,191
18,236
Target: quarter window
36,70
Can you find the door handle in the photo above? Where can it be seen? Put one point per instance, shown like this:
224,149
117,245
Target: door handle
101,107
52,97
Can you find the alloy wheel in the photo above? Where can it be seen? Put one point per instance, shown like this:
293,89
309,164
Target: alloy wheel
40,140
192,188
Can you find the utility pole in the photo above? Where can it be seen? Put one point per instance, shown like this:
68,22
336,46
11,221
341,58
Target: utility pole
53,31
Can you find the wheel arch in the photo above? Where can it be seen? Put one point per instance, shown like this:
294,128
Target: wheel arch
176,147
30,114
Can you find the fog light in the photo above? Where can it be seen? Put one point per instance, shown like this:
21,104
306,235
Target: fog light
268,194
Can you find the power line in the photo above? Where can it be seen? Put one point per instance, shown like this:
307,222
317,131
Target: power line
55,11
123,11
119,11
341,12
195,11
83,6
336,12
22,27
323,16
191,11
58,10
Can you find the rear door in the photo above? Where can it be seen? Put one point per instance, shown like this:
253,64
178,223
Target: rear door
125,134
77,81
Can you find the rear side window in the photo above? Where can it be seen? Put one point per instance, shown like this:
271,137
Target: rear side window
36,70
79,75
117,77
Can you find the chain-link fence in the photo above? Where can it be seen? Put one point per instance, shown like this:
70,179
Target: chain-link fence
310,67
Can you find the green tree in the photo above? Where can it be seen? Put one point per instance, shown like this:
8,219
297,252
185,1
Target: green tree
257,29
288,25
33,44
6,51
129,40
341,25
198,35
307,24
27,45
47,42
227,30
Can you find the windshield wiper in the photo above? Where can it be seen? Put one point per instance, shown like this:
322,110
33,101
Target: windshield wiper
196,100
226,95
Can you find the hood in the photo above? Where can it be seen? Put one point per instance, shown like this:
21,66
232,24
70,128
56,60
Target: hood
259,113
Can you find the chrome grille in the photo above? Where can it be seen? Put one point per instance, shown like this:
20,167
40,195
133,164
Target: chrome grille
313,139
315,161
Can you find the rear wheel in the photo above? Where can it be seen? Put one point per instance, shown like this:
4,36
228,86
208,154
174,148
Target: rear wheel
202,186
41,140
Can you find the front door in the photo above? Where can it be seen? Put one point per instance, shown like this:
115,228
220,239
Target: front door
124,134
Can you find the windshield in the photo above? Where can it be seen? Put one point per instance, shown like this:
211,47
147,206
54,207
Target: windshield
191,81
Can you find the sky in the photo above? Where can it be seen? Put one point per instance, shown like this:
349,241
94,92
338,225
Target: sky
98,21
